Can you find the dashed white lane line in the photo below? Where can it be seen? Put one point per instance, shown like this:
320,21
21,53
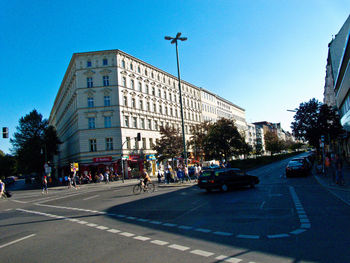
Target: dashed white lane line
248,236
278,236
16,241
203,230
222,233
198,252
201,253
179,247
228,259
159,242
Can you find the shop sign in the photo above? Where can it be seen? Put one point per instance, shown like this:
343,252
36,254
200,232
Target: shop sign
102,159
150,157
134,157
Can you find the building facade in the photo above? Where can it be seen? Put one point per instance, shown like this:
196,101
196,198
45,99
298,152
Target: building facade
107,97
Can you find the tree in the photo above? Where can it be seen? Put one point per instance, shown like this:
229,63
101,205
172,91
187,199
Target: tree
223,140
196,142
314,119
34,141
7,166
272,143
170,143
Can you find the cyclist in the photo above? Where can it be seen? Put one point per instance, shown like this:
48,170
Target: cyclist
145,177
2,188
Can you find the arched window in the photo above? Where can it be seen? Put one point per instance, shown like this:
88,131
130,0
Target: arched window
123,63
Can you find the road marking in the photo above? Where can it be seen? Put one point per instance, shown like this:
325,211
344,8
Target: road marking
222,233
169,224
114,231
82,222
202,253
278,236
142,238
298,231
143,220
16,241
17,201
156,222
92,225
91,197
178,247
159,242
126,234
248,236
131,217
203,230
228,259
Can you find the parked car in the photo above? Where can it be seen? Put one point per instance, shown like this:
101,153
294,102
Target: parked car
305,161
225,178
297,167
9,180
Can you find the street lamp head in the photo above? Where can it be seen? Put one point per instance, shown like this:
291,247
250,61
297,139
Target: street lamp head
168,38
174,41
183,38
178,35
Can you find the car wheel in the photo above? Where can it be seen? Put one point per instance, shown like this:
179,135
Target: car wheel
224,188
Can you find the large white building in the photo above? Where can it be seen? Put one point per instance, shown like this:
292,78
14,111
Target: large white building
107,97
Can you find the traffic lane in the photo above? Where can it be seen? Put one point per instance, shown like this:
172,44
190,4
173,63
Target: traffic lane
86,242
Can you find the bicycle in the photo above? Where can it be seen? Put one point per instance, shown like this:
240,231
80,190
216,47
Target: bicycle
149,187
3,196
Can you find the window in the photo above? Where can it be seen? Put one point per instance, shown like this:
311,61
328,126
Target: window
92,145
133,103
109,144
134,120
154,107
143,143
147,89
146,73
149,124
150,143
108,122
91,122
153,91
171,112
125,101
166,110
141,104
148,106
142,123
88,64
138,69
124,81
126,121
156,125
159,93
89,82
90,102
123,63
131,66
132,83
140,86
107,101
128,145
105,62
105,81
160,109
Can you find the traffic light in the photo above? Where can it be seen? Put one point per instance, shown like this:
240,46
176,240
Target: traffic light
138,136
71,167
5,132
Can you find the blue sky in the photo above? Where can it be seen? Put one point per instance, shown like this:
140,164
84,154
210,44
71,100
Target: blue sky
264,56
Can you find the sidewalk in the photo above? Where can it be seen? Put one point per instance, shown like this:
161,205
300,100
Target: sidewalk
342,192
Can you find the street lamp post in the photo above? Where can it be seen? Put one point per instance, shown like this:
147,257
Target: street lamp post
174,41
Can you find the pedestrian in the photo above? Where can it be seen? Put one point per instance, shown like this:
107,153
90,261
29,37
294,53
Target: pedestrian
327,164
339,167
167,175
196,172
159,176
187,177
74,182
2,189
107,177
44,181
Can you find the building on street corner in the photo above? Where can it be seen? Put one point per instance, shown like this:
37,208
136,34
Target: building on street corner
107,97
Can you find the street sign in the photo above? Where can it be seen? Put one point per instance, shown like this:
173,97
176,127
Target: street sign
74,167
47,168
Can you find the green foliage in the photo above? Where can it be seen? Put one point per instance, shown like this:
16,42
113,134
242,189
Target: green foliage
7,165
33,142
272,143
170,145
314,119
196,142
223,141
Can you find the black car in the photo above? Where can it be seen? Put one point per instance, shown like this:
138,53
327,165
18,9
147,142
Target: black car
225,178
297,167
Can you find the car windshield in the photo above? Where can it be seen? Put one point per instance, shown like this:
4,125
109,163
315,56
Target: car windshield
295,163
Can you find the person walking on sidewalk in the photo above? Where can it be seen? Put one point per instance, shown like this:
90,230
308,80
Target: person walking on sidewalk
44,185
339,170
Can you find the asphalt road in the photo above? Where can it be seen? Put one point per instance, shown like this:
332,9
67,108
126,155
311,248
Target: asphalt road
281,220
